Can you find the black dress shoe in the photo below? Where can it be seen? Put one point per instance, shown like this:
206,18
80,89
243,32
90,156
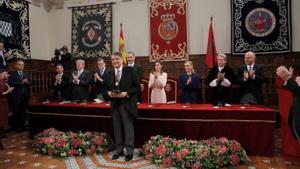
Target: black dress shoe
129,157
116,155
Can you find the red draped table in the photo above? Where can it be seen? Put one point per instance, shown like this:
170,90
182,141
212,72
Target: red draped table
253,126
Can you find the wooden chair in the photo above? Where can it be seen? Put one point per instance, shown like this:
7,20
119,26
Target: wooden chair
145,90
172,90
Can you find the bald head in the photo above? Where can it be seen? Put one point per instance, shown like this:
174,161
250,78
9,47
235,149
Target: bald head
249,58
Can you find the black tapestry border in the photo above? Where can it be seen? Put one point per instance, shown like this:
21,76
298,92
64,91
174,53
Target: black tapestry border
15,13
261,26
92,31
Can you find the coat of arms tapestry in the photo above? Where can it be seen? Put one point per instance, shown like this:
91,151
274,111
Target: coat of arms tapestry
168,30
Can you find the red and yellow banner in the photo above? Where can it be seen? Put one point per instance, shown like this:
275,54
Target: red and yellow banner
168,37
122,46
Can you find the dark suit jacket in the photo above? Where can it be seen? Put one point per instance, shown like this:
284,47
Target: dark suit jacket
294,115
99,85
253,86
139,71
6,60
189,93
63,87
128,83
20,90
220,93
81,91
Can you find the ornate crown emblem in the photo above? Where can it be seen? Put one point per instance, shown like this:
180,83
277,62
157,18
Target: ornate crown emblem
168,28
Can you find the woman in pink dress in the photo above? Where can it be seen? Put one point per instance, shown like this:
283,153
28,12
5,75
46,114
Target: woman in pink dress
157,82
4,90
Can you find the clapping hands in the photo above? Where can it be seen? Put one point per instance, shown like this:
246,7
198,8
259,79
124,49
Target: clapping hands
284,73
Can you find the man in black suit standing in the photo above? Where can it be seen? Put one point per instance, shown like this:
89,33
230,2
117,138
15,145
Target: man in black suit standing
251,78
294,87
139,72
21,82
80,81
220,78
5,57
122,86
61,84
99,80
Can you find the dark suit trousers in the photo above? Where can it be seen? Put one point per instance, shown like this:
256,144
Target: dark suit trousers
123,128
19,110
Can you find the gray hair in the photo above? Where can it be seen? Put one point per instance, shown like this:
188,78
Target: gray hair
80,61
251,53
223,56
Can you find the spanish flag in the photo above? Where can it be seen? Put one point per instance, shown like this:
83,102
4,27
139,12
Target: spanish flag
122,45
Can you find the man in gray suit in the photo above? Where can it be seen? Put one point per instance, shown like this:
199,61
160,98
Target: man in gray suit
122,87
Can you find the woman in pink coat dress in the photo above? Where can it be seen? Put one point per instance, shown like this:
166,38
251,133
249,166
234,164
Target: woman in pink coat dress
157,82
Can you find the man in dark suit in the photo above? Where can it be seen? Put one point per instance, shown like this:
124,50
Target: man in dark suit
251,78
21,82
139,72
80,81
61,84
99,80
5,57
220,78
294,87
122,86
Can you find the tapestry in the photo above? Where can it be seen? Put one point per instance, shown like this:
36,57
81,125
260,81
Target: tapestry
261,26
14,27
168,30
92,31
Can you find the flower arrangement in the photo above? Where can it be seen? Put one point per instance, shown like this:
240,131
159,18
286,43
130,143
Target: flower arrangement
64,144
211,153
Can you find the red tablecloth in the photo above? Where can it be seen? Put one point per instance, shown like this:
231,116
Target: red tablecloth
253,126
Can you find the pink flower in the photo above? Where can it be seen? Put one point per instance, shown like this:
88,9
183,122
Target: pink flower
77,143
221,149
167,139
234,159
235,146
48,140
203,153
223,140
209,142
72,152
161,150
72,135
167,162
181,154
98,140
60,143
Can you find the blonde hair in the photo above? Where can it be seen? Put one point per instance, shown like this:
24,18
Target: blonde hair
191,64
